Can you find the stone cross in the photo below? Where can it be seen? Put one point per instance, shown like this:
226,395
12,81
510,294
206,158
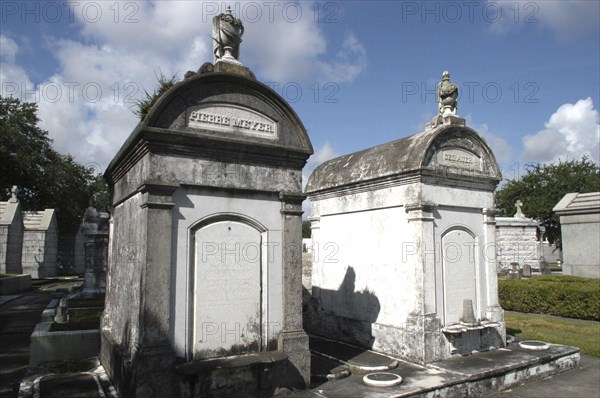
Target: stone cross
13,194
519,213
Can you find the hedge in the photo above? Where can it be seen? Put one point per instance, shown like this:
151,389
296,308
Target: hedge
560,295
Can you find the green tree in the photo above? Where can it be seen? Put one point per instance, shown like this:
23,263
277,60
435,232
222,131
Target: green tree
543,187
46,178
306,232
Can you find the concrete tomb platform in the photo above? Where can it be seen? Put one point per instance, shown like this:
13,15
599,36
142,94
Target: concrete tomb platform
323,369
459,376
475,375
81,378
355,359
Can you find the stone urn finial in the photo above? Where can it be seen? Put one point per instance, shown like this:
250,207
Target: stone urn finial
447,96
227,36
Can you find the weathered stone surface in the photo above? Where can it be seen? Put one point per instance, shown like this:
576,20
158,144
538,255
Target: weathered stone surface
40,243
11,237
205,248
95,228
580,232
440,156
517,241
402,233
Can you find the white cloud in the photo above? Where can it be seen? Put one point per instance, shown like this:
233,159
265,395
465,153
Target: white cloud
567,19
281,39
350,62
570,19
286,50
13,78
122,46
8,49
571,132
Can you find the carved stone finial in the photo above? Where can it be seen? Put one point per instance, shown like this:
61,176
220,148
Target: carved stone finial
13,194
519,213
227,36
447,96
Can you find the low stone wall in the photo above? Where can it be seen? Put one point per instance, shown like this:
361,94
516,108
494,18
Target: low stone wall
14,284
63,345
67,345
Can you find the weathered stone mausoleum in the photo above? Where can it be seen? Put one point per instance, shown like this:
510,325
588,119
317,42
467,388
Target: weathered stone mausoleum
204,281
40,244
403,243
517,241
580,233
11,235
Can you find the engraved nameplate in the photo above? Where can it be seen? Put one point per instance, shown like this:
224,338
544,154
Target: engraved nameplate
456,157
230,118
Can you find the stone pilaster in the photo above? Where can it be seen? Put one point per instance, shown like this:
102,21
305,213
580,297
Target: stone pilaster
156,269
423,325
494,312
293,340
155,356
420,220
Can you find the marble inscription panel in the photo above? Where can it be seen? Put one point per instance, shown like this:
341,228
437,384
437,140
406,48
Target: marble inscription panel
227,292
458,257
231,118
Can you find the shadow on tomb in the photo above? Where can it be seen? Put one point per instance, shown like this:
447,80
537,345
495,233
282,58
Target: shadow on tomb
343,313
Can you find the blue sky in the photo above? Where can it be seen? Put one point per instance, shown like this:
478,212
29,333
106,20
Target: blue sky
358,73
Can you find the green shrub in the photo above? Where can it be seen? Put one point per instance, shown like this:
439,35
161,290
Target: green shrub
560,295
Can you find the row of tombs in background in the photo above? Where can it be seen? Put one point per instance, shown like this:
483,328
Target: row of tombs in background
30,244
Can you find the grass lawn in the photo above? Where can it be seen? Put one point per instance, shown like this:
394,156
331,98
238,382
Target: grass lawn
571,332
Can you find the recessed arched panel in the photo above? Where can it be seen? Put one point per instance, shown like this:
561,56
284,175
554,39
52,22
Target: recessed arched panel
459,263
227,288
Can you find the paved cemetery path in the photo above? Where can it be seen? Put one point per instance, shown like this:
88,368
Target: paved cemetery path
18,316
583,382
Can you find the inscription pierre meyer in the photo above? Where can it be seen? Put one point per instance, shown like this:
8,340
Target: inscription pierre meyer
233,119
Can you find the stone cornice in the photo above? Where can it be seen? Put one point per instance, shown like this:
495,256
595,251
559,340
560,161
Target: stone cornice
195,145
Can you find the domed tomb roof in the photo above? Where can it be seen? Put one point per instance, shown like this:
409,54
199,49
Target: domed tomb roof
223,113
452,151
